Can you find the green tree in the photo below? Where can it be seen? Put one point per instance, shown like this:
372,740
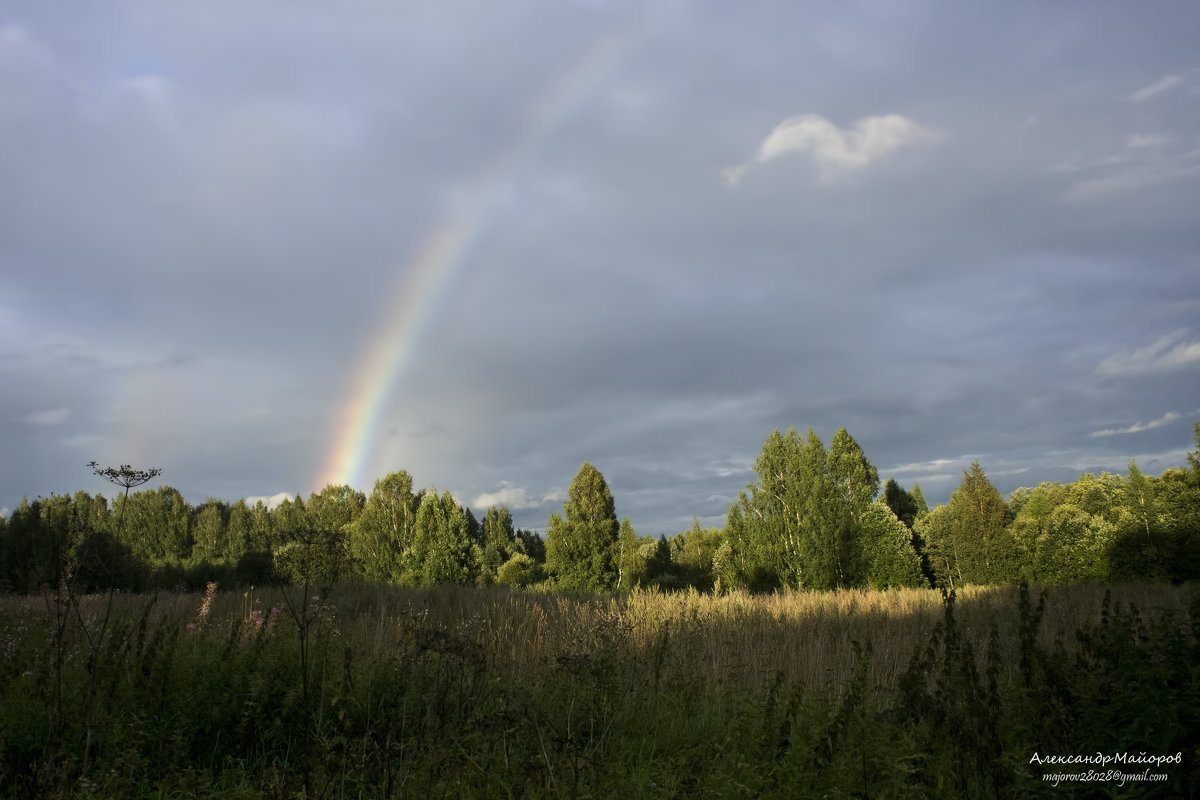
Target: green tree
888,557
856,478
262,529
941,554
919,498
520,571
1139,500
581,545
1031,527
34,550
902,504
289,520
643,560
657,558
156,525
627,557
385,530
971,542
1178,502
531,544
693,553
335,508
442,546
798,524
499,542
210,525
1057,540
239,531
1142,546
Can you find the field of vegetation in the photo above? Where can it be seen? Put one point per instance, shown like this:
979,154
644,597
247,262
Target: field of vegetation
366,691
831,640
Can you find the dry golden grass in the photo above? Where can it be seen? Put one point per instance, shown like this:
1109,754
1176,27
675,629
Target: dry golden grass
804,637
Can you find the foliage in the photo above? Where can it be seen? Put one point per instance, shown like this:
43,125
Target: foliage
499,542
902,504
520,571
383,533
888,557
693,554
969,541
809,521
581,545
442,547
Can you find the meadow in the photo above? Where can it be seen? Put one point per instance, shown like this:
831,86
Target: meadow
385,692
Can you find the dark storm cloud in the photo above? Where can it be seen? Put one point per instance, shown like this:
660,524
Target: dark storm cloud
959,233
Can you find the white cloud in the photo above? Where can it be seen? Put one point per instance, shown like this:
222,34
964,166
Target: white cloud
1163,84
936,465
516,498
836,151
1149,463
1173,351
52,416
1138,427
270,502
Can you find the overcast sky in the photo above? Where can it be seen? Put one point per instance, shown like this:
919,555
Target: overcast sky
640,234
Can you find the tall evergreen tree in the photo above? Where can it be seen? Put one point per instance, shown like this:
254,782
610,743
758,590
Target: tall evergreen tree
919,498
531,544
902,504
971,542
856,478
581,545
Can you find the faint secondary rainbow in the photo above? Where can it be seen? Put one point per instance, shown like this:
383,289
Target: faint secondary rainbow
441,256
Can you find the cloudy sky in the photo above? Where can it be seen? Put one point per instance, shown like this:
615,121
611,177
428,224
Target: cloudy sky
268,246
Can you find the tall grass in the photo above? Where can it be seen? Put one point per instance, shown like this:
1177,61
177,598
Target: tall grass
445,691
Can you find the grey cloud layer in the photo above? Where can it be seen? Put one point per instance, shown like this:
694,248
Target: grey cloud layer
207,209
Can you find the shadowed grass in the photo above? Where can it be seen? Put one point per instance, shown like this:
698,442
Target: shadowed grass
459,692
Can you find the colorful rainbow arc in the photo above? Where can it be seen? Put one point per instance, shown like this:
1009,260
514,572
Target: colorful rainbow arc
441,256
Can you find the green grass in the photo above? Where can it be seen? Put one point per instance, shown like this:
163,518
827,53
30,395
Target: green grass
460,692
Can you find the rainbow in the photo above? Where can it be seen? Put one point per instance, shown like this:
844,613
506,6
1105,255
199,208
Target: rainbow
441,256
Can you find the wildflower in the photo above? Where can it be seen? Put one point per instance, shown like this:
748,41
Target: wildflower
210,591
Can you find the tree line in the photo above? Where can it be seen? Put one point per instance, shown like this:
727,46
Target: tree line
812,518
